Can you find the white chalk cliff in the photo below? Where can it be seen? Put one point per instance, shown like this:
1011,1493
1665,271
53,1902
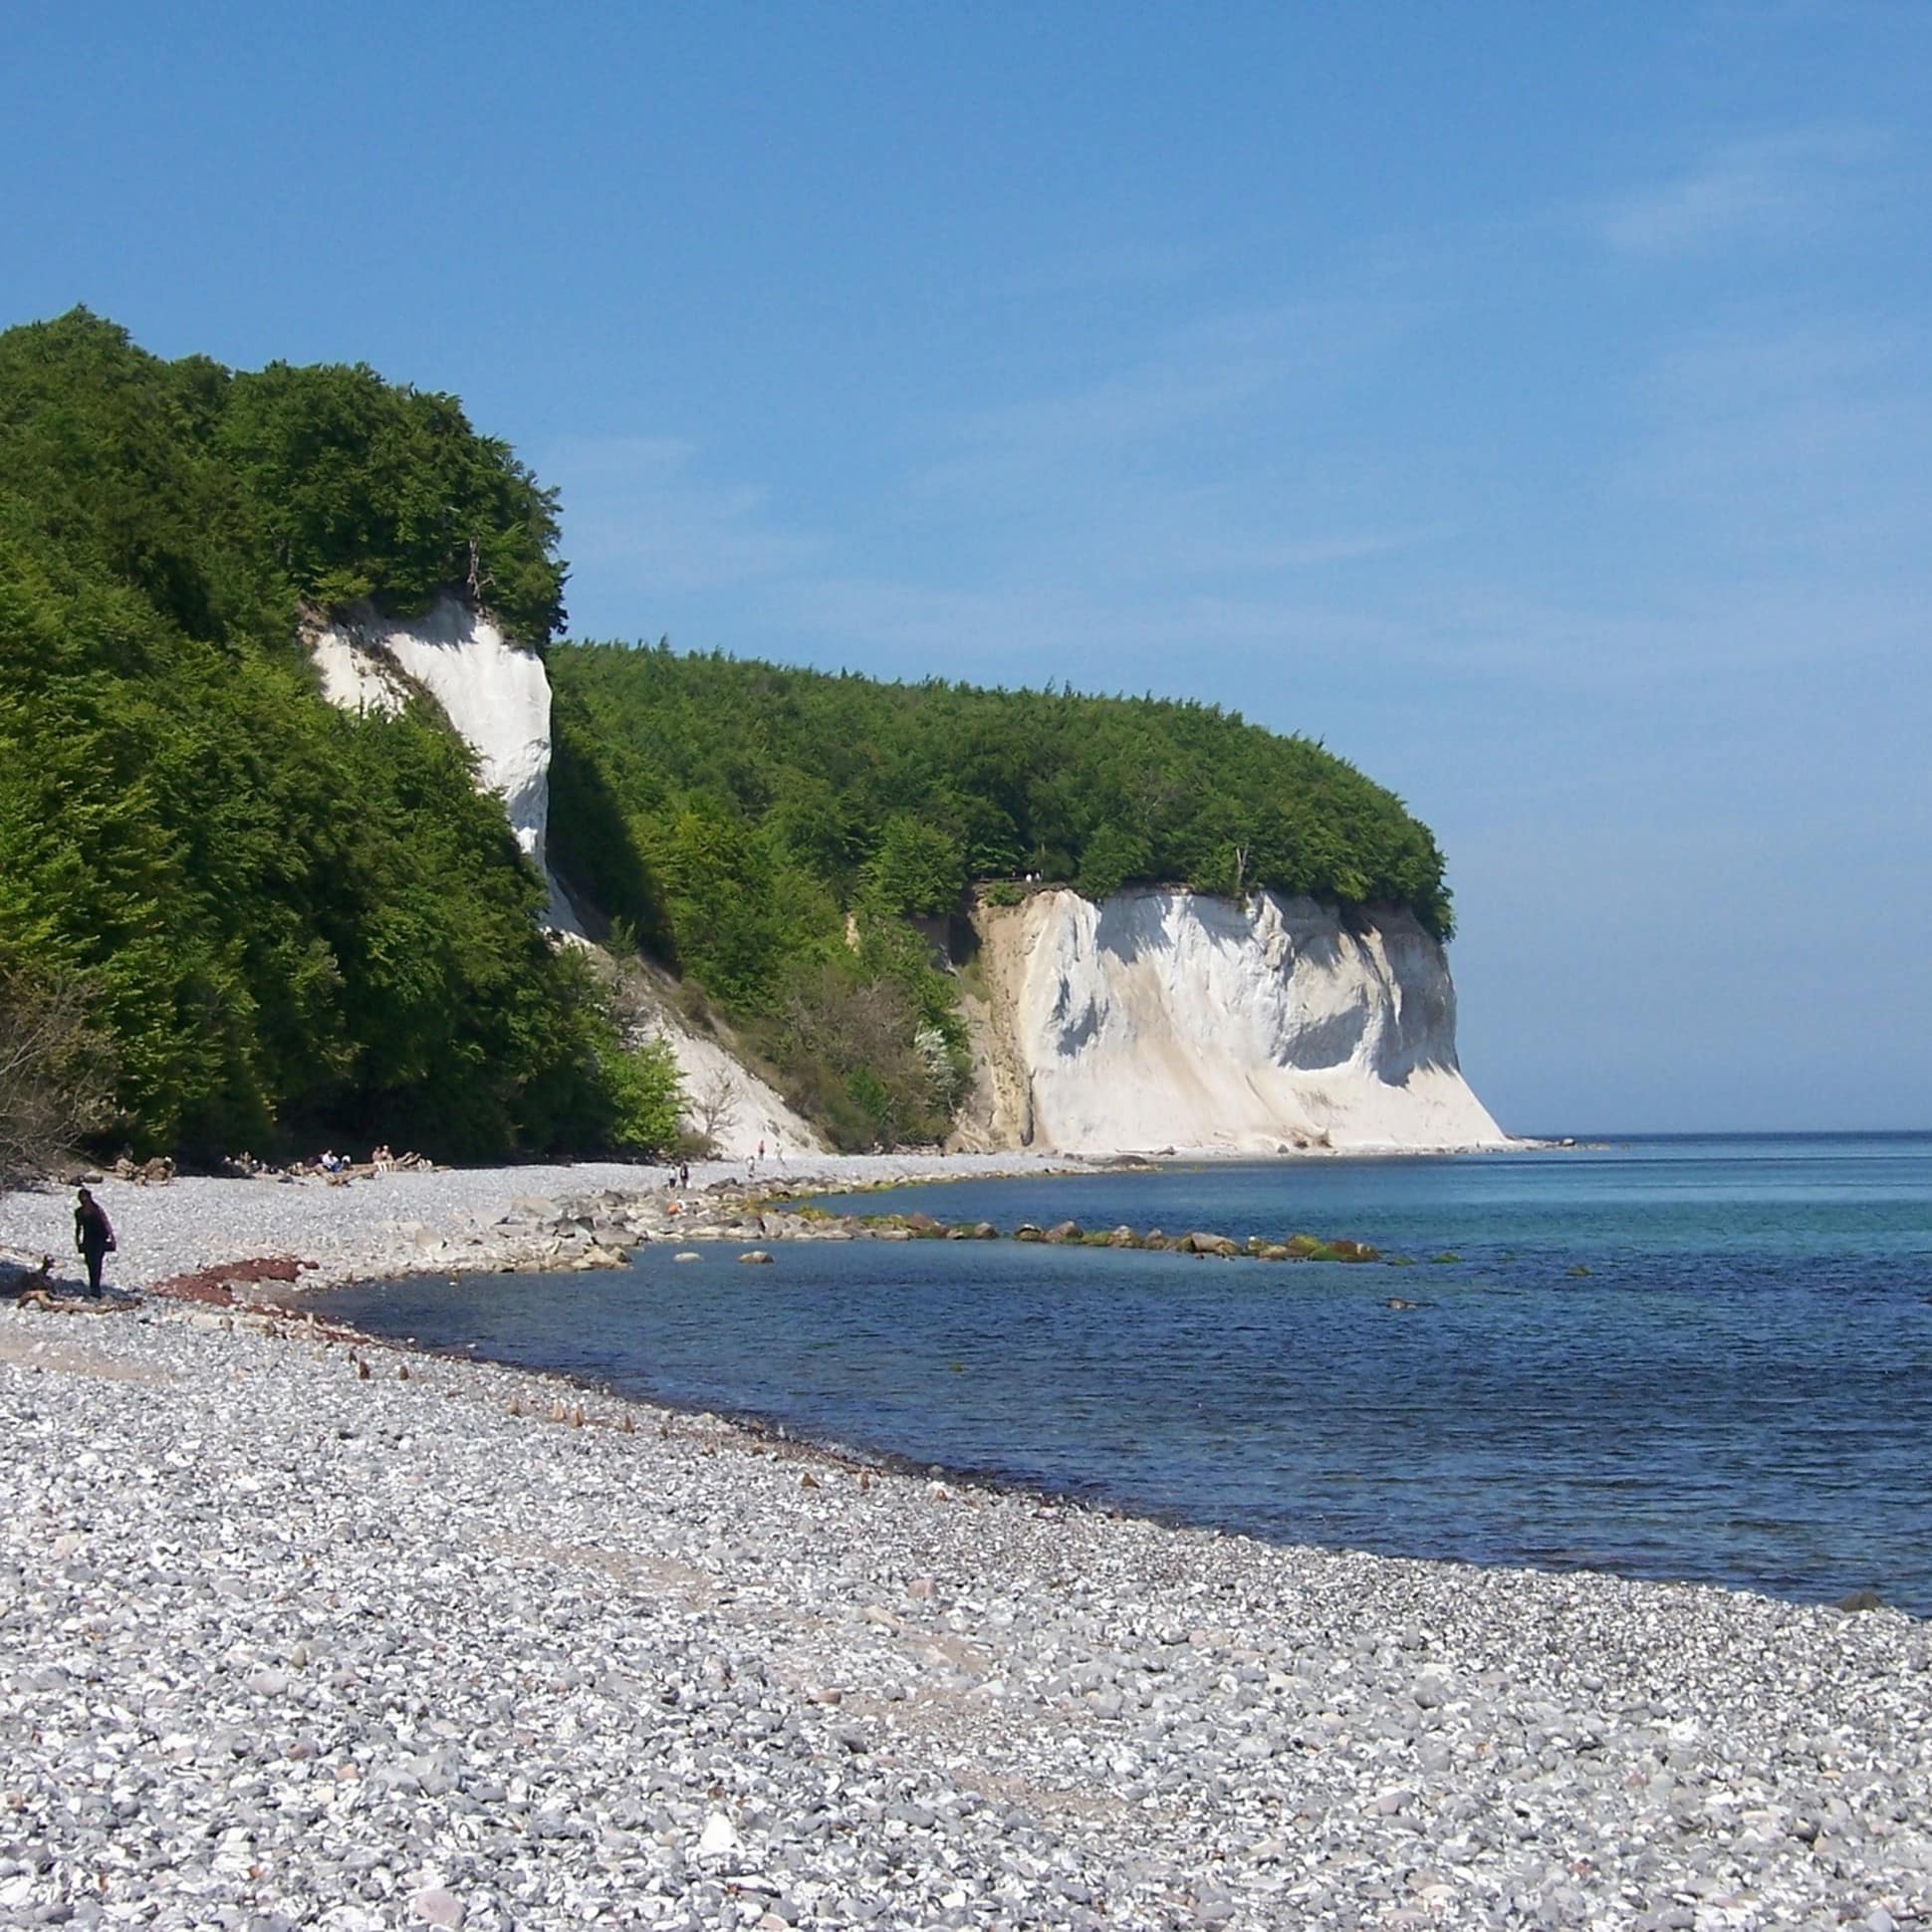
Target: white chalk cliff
493,691
1169,1020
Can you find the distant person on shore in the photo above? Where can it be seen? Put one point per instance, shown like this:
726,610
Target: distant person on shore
92,1236
685,1173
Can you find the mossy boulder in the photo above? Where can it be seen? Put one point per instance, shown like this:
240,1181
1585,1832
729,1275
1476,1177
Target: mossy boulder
1217,1244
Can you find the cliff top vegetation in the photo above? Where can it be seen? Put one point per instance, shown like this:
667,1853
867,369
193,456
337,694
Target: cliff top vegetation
915,791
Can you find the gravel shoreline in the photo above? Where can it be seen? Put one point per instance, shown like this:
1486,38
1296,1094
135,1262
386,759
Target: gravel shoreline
408,1221
308,1632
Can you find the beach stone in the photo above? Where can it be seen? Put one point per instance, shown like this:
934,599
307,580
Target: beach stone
756,1258
719,1839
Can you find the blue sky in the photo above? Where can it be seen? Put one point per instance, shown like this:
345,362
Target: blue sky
1533,403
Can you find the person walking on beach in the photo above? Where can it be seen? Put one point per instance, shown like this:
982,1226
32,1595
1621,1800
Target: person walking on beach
92,1236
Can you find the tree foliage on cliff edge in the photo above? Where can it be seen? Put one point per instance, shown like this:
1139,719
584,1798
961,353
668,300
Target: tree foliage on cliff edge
912,791
284,918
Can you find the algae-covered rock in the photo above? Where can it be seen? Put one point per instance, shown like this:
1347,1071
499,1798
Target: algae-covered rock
1217,1244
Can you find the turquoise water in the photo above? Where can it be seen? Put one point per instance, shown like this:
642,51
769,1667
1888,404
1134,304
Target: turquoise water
1739,1390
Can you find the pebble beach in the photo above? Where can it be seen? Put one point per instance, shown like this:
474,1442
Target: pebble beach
298,1630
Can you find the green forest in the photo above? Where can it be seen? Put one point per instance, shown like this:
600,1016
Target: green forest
258,916
232,915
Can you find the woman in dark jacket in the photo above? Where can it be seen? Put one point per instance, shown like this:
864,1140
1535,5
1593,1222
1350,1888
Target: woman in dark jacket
92,1236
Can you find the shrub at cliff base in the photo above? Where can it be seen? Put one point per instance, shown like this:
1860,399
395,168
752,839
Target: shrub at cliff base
56,1075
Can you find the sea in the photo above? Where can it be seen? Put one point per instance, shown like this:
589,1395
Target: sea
1705,1359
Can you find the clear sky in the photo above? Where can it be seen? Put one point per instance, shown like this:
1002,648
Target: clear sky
1532,402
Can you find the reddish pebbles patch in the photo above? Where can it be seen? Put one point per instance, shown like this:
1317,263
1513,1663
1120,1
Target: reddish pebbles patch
215,1286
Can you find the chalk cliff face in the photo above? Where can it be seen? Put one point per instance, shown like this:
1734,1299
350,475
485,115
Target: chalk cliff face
725,1100
494,692
1167,1019
496,695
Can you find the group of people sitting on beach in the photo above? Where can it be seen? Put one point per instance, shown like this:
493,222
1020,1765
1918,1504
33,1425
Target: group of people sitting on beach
380,1161
329,1163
